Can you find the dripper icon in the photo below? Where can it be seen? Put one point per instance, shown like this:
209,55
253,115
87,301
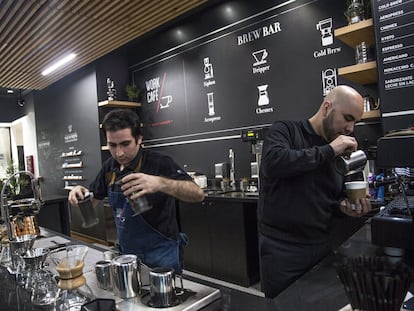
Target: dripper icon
260,57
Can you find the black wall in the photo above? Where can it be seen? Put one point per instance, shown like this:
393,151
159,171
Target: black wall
68,107
176,52
11,111
113,66
68,117
173,58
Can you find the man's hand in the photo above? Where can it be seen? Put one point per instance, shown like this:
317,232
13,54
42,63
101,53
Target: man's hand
138,184
344,144
360,208
77,193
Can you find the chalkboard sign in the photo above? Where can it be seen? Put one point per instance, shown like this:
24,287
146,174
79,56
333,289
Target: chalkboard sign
394,32
275,65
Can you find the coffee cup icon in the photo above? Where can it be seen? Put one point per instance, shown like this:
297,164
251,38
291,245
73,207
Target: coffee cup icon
165,101
260,57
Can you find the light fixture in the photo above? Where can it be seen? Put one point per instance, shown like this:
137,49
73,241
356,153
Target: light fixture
58,64
10,91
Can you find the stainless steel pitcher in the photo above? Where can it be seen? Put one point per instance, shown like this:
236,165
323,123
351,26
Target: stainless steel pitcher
351,164
103,274
163,291
126,276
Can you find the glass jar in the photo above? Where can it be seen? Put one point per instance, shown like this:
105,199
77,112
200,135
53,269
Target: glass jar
355,12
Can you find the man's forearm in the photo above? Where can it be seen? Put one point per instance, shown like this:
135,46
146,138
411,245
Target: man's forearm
183,190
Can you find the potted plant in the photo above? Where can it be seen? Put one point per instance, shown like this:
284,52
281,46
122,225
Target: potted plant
132,92
17,184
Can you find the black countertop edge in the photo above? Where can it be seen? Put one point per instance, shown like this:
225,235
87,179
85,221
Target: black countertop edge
230,196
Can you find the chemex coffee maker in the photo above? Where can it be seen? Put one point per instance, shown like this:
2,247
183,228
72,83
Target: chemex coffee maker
20,214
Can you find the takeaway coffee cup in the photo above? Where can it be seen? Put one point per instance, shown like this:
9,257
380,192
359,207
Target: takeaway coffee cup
126,276
163,292
356,190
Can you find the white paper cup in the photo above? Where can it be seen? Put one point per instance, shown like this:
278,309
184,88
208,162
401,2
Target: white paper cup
356,190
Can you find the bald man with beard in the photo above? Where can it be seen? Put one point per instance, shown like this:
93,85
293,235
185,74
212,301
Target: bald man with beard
300,190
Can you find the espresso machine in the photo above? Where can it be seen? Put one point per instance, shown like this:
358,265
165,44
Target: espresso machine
393,226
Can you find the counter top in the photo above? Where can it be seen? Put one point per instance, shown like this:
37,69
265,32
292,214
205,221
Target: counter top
319,289
14,297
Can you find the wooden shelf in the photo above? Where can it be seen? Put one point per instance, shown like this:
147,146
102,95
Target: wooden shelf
373,114
69,166
119,103
71,155
365,73
356,33
73,178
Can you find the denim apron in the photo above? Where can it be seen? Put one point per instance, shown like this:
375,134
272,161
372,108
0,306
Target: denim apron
137,236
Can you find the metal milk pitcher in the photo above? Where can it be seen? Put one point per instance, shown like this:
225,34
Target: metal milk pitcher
353,163
126,277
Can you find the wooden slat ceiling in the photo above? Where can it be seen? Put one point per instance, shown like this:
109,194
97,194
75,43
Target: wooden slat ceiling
35,33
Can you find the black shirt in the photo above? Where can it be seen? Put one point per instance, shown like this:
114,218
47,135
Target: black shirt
299,186
163,214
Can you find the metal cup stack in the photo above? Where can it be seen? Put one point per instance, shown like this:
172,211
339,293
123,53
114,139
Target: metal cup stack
373,283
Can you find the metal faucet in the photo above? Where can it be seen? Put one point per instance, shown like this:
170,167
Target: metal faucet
232,178
33,204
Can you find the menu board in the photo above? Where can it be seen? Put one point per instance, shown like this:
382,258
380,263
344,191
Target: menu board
394,32
275,65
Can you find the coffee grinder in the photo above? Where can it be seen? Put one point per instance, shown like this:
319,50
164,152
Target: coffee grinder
19,214
19,217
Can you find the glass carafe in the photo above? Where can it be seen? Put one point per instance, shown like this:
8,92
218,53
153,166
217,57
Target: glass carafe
5,254
43,289
355,12
34,260
67,264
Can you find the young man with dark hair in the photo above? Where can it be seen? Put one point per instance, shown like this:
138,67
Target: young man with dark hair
131,173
